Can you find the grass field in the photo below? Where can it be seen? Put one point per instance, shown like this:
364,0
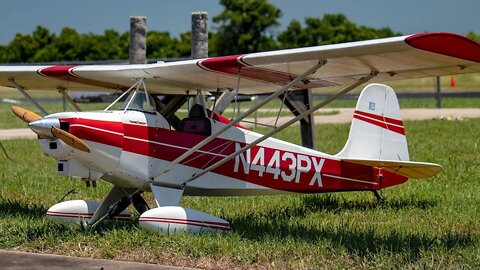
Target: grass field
423,224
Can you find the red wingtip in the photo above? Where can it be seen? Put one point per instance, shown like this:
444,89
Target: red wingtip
447,44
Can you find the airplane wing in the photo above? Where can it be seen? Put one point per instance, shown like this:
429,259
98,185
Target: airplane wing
397,58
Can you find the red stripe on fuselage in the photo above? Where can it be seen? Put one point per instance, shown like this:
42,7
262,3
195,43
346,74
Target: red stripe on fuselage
168,145
105,132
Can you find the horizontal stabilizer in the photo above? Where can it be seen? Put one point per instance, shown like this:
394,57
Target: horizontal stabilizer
410,169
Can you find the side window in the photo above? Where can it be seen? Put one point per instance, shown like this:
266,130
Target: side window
138,101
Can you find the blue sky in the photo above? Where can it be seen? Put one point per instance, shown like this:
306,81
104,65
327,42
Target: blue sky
406,16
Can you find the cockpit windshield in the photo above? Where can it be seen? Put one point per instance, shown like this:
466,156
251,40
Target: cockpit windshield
139,101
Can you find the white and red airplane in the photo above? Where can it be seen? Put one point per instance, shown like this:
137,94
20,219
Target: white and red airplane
142,146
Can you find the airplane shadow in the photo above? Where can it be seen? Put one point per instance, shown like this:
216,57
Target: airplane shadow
360,241
363,241
328,203
331,203
16,208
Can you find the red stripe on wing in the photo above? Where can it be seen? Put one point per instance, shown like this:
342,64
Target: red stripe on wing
234,65
67,73
62,72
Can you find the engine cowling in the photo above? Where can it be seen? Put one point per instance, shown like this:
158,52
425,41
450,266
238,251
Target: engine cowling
171,219
76,211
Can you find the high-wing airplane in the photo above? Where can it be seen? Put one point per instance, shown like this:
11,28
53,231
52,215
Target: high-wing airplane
141,145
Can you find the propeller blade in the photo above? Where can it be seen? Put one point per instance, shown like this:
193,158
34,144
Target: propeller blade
70,139
24,114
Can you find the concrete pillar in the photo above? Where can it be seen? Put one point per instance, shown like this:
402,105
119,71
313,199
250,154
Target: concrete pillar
138,40
199,35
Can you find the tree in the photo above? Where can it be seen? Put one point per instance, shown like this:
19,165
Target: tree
43,46
332,28
244,25
24,48
68,44
474,36
162,45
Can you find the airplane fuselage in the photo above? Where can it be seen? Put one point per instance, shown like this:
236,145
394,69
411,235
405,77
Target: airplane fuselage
130,148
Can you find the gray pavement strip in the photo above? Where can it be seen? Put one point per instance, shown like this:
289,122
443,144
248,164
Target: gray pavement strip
16,260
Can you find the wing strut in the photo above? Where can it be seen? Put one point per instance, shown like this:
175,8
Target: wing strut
327,100
25,94
240,118
63,91
136,85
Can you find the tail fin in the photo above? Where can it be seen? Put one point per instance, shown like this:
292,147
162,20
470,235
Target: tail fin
377,129
377,137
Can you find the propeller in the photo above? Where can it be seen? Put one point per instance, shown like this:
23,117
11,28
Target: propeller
70,139
24,114
49,127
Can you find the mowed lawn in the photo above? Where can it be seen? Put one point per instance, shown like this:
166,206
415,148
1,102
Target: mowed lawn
423,224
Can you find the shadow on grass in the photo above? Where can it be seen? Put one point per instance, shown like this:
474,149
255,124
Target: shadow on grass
335,204
363,241
10,207
280,224
14,208
329,203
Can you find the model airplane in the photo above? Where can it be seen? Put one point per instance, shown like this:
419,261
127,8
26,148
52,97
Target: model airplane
142,146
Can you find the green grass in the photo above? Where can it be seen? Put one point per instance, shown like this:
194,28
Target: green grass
423,224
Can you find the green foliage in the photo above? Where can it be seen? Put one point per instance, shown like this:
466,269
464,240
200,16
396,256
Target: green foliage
332,28
244,25
162,45
474,36
69,45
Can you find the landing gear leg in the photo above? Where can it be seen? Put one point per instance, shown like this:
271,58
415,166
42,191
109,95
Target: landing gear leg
117,200
379,197
139,203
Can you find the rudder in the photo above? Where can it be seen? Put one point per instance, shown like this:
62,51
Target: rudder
377,131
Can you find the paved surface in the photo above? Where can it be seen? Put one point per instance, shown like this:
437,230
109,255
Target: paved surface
17,133
14,260
344,116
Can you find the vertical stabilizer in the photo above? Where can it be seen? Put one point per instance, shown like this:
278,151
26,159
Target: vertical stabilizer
377,131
